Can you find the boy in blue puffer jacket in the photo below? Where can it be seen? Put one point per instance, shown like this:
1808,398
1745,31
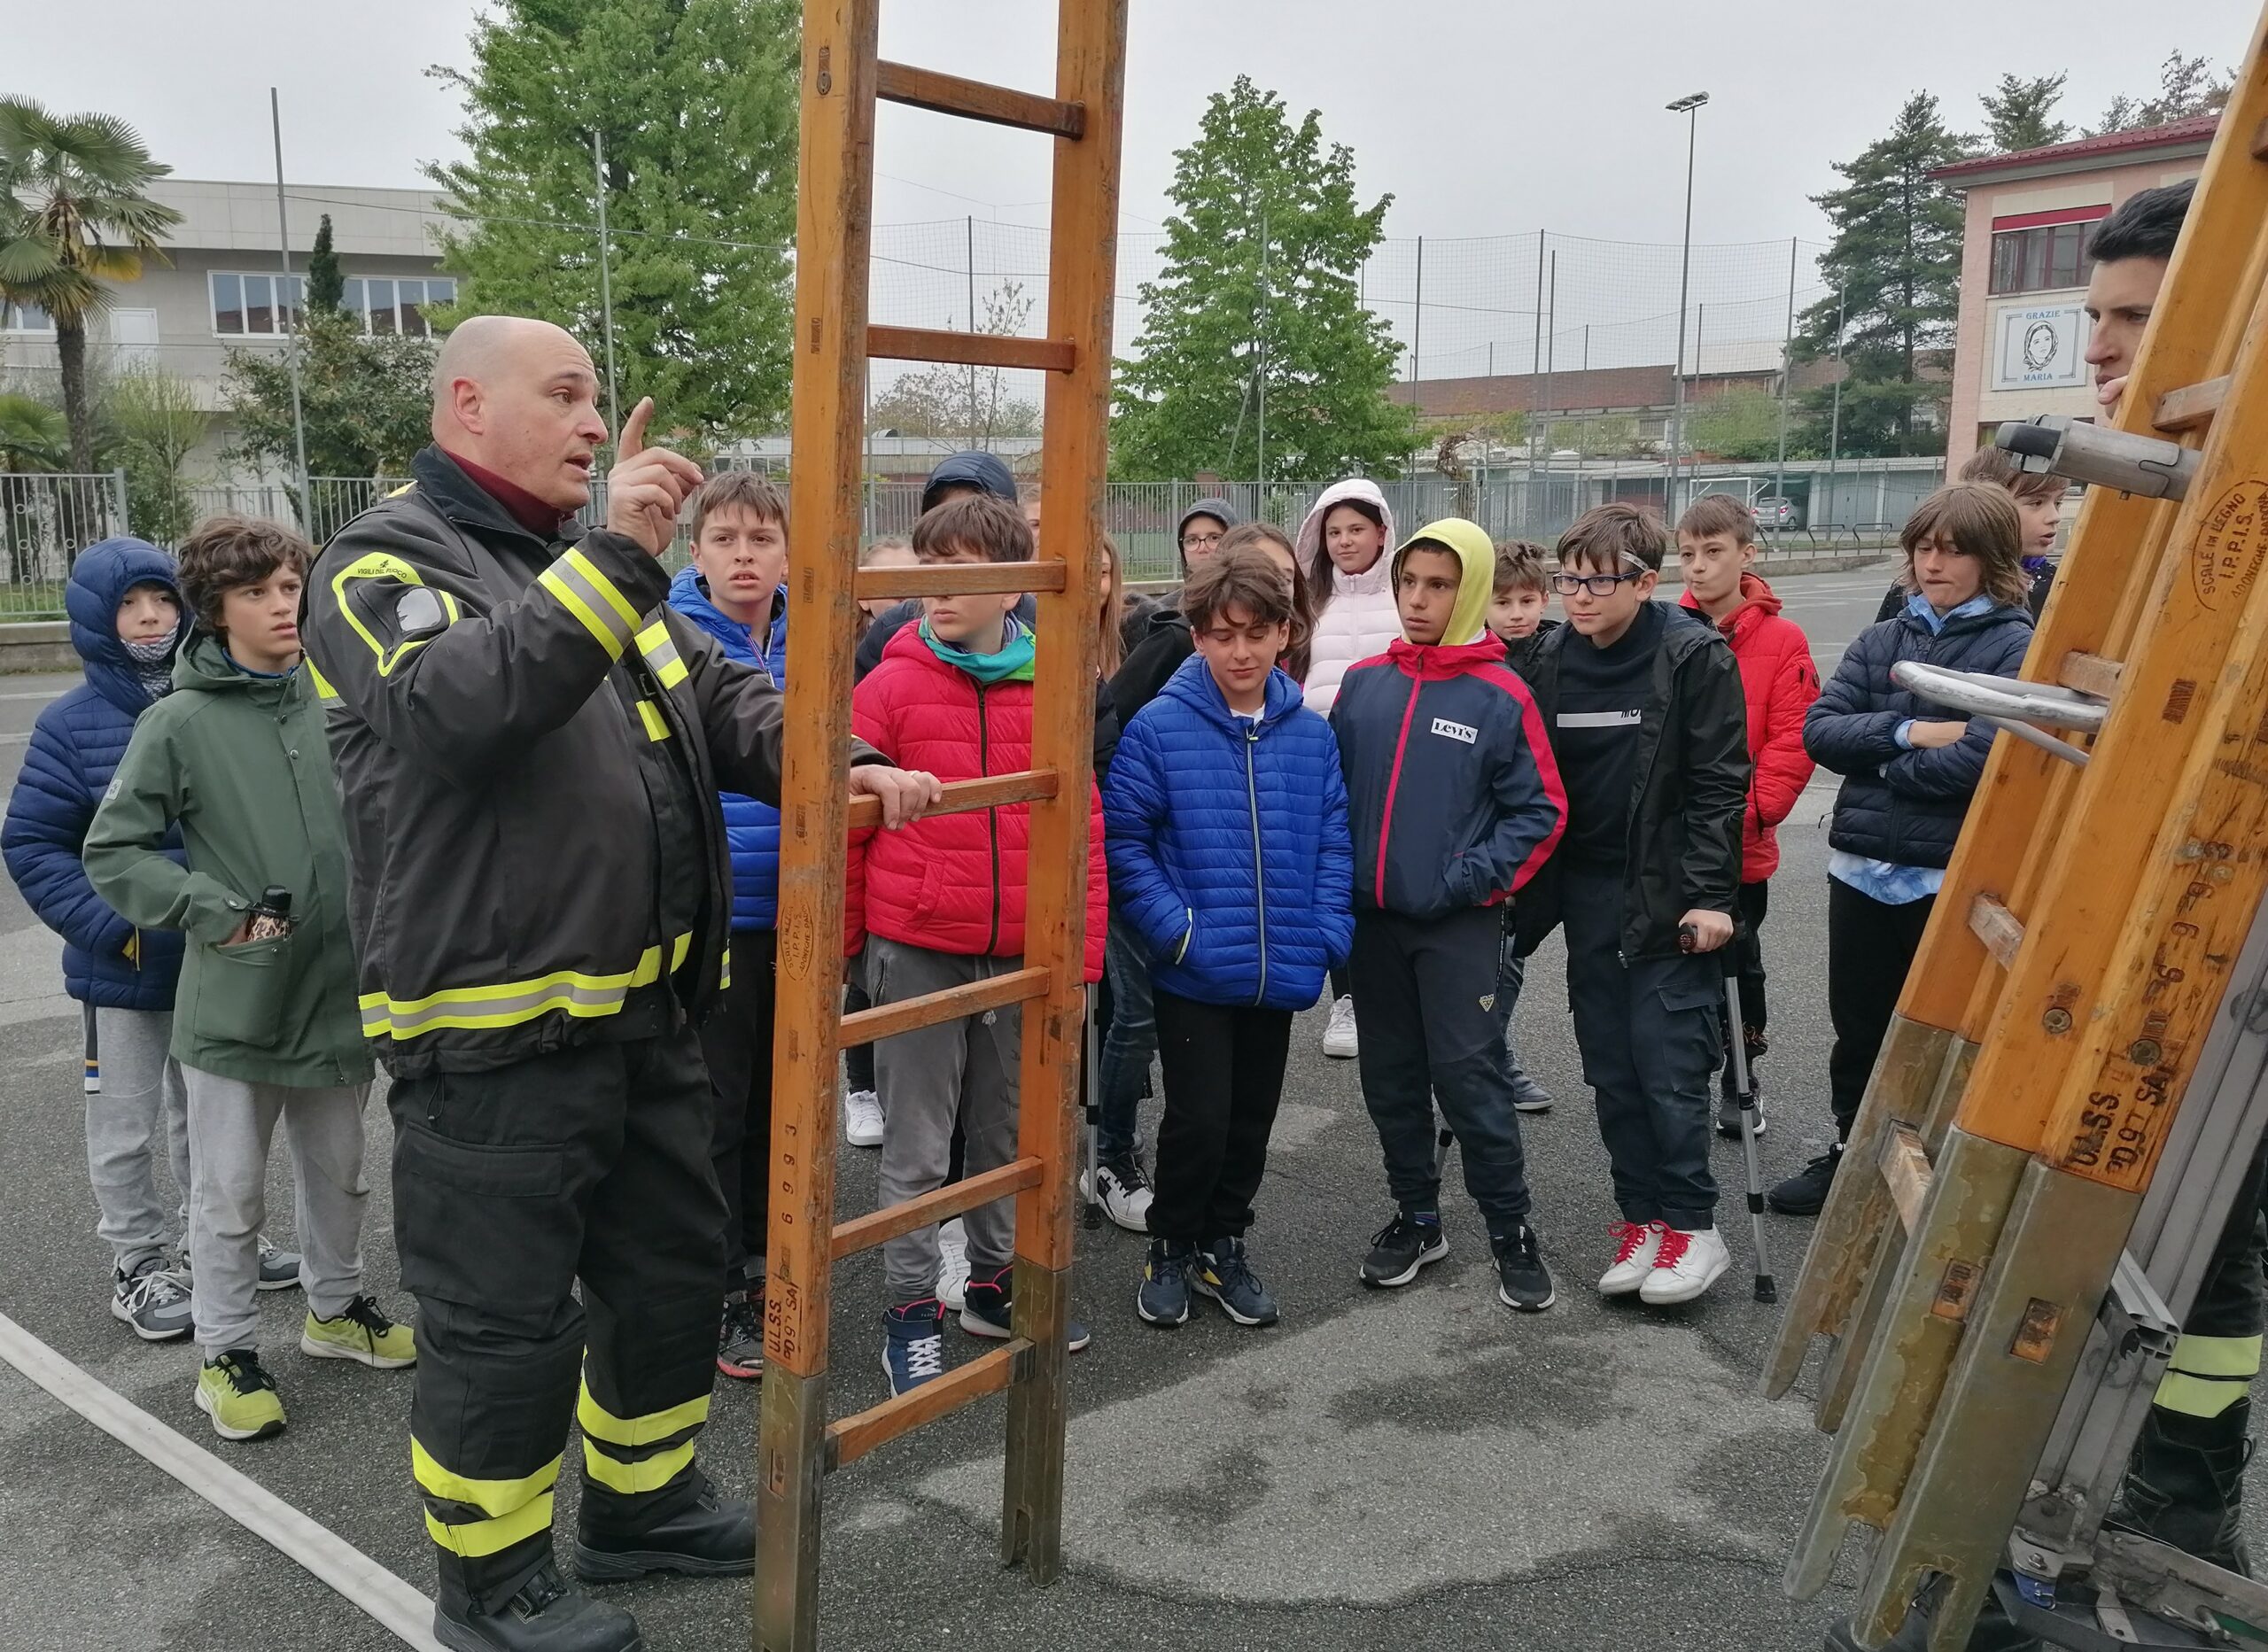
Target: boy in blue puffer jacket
125,610
1225,818
1455,802
732,590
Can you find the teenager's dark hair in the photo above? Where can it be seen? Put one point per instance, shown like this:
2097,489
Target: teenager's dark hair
1994,465
742,490
1241,577
222,553
1255,534
1977,519
993,527
1519,567
1319,566
2146,225
1610,538
1719,512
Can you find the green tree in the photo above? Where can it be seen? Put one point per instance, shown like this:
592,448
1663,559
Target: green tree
2186,87
1896,262
1742,425
1260,295
153,422
33,435
366,400
2019,113
73,219
695,102
326,284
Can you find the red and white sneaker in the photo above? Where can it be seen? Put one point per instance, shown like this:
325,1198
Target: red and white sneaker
1637,1243
1686,1265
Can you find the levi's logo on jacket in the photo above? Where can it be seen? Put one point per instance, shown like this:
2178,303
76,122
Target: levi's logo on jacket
1465,732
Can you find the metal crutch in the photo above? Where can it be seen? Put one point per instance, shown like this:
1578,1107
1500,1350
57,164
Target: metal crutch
1744,1082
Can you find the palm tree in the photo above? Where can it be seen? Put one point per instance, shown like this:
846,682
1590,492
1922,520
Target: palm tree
72,216
33,436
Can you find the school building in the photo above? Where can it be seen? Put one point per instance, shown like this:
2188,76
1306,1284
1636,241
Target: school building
2021,341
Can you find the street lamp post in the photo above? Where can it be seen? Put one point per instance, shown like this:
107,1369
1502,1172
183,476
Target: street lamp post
1689,107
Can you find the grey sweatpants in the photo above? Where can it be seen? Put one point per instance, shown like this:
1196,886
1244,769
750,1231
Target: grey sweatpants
141,1095
230,1123
964,1070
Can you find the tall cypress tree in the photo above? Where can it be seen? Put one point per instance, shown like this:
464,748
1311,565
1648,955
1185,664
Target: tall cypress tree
326,286
1260,286
695,102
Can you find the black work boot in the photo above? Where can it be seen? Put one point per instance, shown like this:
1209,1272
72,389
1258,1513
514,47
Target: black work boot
2185,1485
708,1537
543,1614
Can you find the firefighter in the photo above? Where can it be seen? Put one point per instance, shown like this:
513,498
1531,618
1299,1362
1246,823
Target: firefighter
529,744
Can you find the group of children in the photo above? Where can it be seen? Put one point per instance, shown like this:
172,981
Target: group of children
1294,801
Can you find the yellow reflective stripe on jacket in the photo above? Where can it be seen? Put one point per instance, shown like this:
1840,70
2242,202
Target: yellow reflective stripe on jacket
725,968
586,593
647,1474
2208,1375
600,1423
492,1498
323,690
477,1537
660,653
510,1003
382,565
657,726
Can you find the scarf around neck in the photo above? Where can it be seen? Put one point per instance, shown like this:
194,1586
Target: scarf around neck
1012,664
153,662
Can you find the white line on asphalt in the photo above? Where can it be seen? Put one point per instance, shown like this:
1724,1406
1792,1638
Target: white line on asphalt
45,694
392,1604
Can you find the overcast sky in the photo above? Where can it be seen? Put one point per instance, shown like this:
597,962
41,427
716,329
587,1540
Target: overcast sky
1482,117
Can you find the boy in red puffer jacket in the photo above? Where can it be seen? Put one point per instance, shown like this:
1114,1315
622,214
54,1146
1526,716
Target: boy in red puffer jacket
1716,544
941,903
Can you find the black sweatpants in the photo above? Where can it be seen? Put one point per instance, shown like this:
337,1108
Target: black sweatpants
736,1042
1224,1074
1870,945
509,1185
1425,1012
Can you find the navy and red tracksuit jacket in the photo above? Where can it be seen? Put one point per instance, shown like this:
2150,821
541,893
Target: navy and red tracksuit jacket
1452,792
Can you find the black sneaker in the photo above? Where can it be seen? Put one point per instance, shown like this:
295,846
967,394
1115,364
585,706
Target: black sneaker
1728,1115
1803,1193
1523,1283
1221,1272
989,1310
1405,1244
1163,1299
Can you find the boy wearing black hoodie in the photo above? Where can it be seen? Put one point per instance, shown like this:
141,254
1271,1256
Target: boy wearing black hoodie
1454,801
1644,708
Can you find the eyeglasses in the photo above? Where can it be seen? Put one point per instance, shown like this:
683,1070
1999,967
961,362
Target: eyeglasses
1597,585
1199,541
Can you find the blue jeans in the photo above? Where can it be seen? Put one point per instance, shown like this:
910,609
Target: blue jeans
1128,1047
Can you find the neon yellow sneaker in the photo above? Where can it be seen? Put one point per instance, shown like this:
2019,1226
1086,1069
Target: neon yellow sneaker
240,1397
361,1333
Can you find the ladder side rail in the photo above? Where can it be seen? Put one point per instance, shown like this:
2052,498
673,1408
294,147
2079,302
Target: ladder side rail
1091,61
833,236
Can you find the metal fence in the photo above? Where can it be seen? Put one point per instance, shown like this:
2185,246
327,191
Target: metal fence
45,521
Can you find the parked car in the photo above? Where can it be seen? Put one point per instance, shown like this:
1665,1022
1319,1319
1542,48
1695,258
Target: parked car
1775,510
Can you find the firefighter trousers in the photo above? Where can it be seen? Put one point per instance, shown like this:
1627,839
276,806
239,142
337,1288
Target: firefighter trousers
590,1164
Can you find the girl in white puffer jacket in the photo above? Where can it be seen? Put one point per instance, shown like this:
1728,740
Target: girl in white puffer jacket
1343,544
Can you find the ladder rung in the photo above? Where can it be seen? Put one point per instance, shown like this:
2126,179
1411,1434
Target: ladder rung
854,1437
956,579
1906,1171
930,343
972,997
994,791
2000,929
2090,674
2191,406
953,1199
978,100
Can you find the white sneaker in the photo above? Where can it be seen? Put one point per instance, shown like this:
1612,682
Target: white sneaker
1125,1196
1637,1243
1686,1265
952,1265
1339,1037
862,1119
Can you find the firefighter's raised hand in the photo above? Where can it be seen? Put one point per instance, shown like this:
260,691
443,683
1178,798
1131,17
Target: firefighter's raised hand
646,485
905,793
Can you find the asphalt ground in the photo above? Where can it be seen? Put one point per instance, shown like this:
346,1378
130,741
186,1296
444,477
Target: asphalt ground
1415,1470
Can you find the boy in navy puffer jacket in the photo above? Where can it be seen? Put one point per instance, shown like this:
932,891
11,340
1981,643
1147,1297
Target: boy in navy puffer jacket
1226,819
732,590
1455,802
125,610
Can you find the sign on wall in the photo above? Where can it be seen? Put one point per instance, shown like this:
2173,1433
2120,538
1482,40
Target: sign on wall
2040,347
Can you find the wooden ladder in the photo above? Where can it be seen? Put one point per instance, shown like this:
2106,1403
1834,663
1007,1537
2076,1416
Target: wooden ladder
2084,940
843,75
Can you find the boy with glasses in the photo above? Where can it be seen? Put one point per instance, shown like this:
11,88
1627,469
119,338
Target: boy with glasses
1643,705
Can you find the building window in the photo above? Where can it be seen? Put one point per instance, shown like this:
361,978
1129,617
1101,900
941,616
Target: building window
246,306
2041,259
24,318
